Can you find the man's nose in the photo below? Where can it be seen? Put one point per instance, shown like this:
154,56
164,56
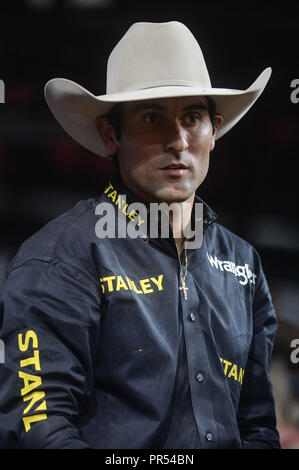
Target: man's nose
176,138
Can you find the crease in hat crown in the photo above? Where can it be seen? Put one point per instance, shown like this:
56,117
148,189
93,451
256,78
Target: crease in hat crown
156,54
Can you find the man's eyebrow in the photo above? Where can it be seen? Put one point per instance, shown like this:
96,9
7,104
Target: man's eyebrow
196,106
158,107
144,106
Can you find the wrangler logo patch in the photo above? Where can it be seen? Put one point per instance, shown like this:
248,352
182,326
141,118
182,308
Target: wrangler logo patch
243,272
30,391
233,370
142,286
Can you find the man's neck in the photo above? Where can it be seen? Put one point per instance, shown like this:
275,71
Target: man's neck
180,220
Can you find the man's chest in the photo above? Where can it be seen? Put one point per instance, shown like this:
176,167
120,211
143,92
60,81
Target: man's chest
143,304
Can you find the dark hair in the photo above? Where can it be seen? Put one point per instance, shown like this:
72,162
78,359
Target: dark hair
115,118
116,113
212,112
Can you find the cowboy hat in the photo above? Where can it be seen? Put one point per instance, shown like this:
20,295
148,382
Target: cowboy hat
152,60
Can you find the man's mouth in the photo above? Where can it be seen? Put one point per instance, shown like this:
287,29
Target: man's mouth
175,169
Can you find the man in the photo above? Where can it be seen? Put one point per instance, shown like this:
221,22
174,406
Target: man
141,342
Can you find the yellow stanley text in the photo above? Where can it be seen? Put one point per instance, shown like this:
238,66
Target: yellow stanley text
111,193
142,286
232,370
32,396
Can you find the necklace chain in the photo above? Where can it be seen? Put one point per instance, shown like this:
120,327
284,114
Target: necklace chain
183,276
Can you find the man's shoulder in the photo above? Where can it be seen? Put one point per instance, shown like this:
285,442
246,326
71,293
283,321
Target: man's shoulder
227,251
227,242
66,238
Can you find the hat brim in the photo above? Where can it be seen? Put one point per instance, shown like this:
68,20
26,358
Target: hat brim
76,109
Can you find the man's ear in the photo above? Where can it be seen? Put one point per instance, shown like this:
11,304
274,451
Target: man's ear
107,134
218,122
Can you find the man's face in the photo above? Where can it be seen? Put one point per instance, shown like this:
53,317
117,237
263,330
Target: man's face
164,147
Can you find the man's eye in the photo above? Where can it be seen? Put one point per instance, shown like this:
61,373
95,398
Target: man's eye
151,118
192,118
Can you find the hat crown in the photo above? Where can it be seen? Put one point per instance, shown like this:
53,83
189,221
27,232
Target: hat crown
156,54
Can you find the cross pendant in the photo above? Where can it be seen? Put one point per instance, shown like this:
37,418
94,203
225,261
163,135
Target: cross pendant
184,289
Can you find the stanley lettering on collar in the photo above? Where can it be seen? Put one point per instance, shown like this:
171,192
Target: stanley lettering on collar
119,201
145,220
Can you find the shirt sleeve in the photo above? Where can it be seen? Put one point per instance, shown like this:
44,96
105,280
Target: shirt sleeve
49,320
256,411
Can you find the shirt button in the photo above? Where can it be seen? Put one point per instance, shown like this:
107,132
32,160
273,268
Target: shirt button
199,377
192,316
209,437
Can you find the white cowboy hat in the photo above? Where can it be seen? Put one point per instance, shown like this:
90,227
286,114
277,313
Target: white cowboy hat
152,60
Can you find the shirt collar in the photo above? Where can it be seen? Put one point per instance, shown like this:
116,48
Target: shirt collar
117,188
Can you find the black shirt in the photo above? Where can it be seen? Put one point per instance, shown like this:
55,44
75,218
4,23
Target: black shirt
102,350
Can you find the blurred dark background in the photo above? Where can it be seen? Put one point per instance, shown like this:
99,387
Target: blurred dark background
253,180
